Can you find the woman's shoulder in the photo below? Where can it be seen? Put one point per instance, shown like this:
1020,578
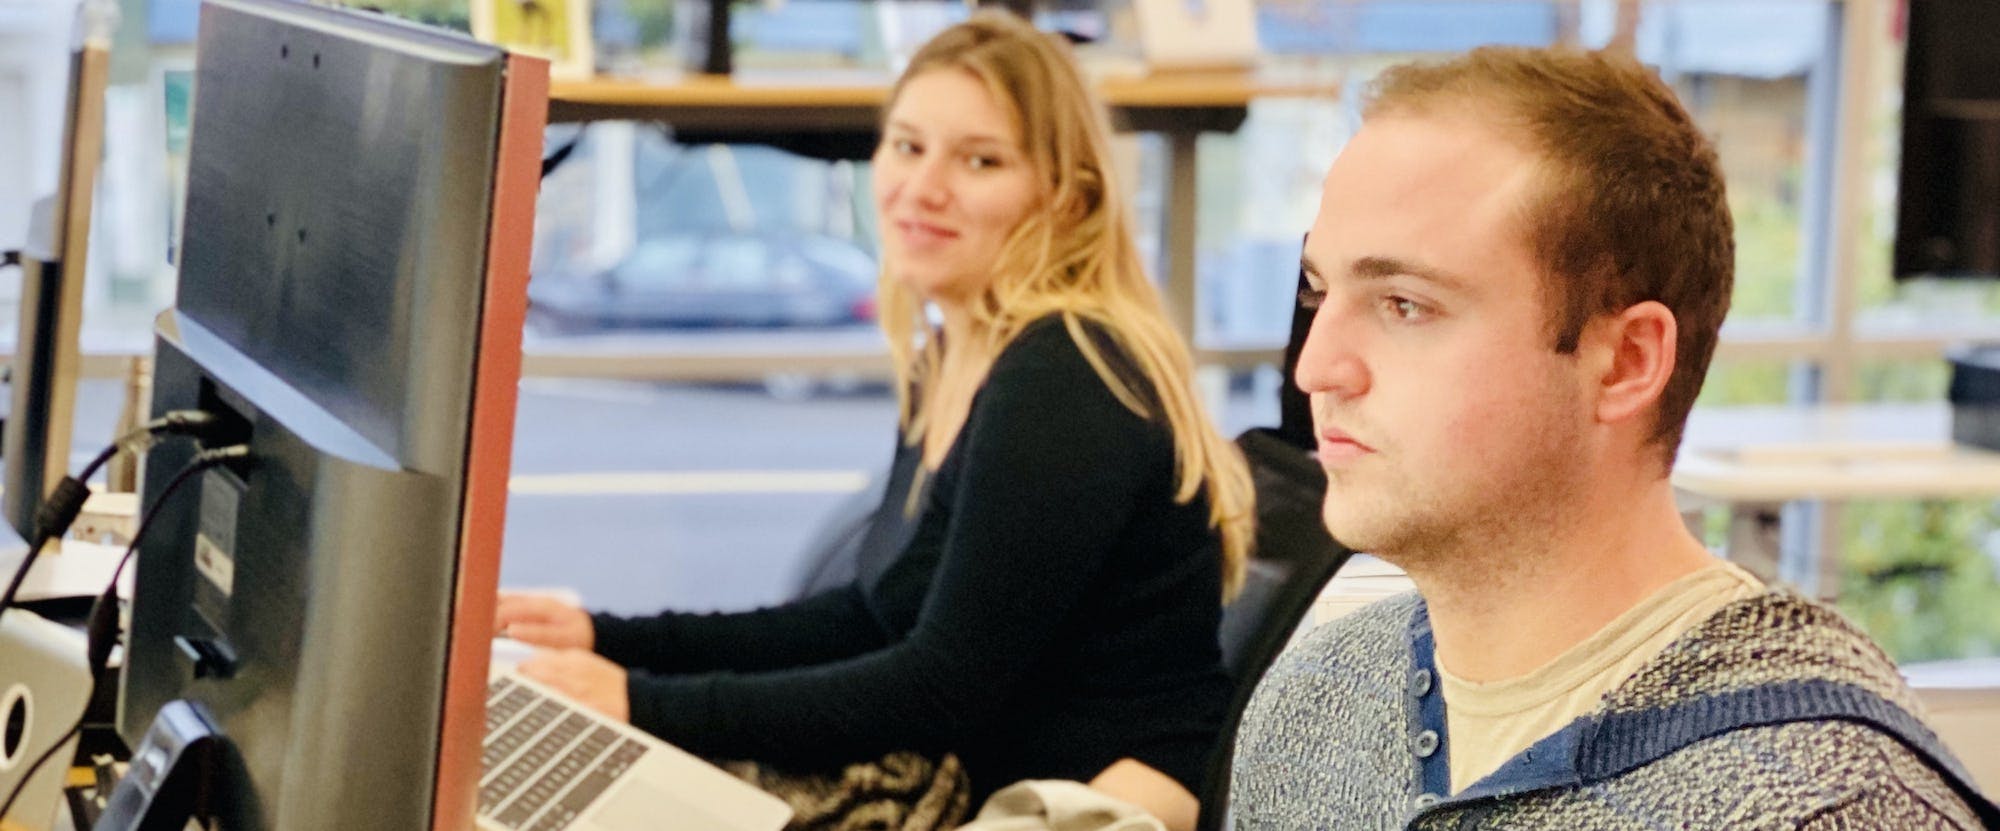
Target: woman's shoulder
1045,368
1050,344
1049,333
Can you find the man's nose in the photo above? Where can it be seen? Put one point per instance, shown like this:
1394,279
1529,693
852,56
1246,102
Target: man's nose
1330,362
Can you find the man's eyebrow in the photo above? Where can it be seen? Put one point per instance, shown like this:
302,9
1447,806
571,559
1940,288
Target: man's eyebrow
1379,267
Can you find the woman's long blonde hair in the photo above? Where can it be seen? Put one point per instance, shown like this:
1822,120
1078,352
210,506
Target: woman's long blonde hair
1075,257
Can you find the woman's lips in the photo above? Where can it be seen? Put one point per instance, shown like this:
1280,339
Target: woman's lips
924,234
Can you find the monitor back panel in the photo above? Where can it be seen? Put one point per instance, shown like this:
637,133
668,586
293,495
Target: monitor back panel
360,201
339,186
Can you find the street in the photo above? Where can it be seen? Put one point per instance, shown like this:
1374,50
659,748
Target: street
646,496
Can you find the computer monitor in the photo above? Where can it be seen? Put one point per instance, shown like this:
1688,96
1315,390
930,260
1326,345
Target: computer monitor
353,282
1948,198
35,442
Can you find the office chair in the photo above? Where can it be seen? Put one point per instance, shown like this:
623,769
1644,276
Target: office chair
832,555
1293,560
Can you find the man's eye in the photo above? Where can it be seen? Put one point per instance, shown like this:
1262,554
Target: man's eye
905,147
1404,308
1311,298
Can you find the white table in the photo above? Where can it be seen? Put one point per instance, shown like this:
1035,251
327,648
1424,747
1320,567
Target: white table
1752,460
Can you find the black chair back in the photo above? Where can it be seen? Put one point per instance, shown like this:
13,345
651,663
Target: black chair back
1293,561
1295,558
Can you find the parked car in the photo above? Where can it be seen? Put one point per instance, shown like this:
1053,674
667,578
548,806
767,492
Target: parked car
716,278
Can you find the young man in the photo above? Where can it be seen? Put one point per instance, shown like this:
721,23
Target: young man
1521,263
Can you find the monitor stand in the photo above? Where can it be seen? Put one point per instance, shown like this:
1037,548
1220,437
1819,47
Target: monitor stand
174,771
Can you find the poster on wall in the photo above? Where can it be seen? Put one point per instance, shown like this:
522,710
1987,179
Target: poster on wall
558,30
1197,34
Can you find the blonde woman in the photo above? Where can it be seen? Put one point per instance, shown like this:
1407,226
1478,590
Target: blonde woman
1041,590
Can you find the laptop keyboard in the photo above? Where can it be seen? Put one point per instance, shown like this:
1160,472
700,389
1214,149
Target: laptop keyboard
544,760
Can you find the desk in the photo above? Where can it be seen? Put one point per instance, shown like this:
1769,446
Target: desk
836,116
78,777
1752,460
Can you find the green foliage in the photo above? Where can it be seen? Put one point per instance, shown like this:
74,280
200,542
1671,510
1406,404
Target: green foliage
1903,381
1744,383
455,14
655,19
1767,257
1916,577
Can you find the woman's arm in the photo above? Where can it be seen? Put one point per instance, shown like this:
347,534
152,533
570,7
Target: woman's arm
1052,467
825,627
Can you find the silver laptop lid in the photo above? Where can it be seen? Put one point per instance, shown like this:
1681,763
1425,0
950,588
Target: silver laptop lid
44,688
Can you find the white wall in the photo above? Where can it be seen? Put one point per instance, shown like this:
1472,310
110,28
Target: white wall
34,75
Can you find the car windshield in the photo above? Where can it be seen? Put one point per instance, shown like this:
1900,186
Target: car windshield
661,262
736,263
839,256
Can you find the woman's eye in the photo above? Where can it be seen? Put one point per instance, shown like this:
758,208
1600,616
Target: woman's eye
981,162
905,147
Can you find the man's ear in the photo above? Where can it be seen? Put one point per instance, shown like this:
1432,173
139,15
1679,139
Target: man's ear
1636,350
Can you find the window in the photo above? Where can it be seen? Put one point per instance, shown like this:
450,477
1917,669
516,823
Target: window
1800,95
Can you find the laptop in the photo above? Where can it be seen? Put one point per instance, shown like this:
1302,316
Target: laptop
551,764
44,687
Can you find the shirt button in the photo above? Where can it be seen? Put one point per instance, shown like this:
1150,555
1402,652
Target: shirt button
1427,744
1425,801
1420,683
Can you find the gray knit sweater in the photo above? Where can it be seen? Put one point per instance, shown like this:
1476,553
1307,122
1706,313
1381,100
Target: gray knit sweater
1774,713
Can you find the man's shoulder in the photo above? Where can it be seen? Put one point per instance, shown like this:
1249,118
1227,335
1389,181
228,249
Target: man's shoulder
1808,775
1323,741
1786,712
1367,650
1774,638
1366,630
1856,771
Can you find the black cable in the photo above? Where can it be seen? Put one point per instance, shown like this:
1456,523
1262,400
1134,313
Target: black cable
103,618
65,500
100,652
561,154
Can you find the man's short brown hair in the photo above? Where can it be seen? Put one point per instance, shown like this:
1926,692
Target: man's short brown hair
1633,207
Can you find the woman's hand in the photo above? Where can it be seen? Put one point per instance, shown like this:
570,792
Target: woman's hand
543,621
587,677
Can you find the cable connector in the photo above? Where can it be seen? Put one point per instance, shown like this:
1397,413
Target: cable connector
102,627
184,422
60,508
65,501
197,423
220,455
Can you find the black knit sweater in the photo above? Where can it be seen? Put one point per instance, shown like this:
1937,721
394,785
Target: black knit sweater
1048,610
